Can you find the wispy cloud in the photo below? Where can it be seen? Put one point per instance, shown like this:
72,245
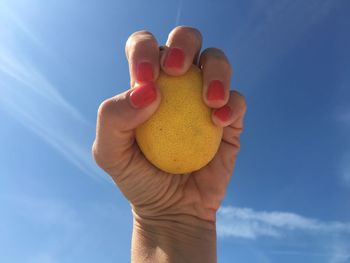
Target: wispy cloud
335,254
251,224
30,97
327,240
178,13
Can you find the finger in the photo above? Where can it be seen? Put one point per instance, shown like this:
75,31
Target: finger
116,121
233,127
217,74
142,52
230,112
230,145
213,179
231,118
182,48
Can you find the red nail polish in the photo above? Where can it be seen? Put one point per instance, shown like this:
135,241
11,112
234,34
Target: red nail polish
143,95
216,90
144,71
223,113
175,58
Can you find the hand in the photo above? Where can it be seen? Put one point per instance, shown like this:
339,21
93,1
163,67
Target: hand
156,196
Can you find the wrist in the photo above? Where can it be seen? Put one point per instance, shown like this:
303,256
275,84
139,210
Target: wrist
173,238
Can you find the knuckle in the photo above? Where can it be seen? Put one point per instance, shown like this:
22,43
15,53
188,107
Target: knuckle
232,137
237,144
142,34
111,116
142,37
242,100
189,33
214,53
106,108
216,57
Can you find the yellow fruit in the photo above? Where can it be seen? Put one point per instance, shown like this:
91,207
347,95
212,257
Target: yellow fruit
180,137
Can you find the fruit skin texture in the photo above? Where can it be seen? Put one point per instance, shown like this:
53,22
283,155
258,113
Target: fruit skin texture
180,137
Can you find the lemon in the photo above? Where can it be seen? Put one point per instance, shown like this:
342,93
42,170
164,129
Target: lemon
180,136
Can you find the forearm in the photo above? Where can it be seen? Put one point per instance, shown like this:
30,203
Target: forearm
173,239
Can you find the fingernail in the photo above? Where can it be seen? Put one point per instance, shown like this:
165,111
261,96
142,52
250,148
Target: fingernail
143,95
216,90
144,71
174,58
223,113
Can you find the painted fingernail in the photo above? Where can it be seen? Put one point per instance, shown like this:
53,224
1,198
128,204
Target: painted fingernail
144,71
216,90
143,95
175,58
223,113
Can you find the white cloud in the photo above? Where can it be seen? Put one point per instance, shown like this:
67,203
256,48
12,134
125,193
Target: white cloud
250,224
331,240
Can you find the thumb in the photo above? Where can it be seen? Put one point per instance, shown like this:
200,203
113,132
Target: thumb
116,120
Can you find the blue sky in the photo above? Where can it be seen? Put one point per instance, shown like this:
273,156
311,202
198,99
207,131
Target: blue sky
289,199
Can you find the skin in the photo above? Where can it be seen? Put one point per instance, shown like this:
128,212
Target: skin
174,215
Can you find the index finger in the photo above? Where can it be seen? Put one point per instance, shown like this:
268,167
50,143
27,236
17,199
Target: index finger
142,52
